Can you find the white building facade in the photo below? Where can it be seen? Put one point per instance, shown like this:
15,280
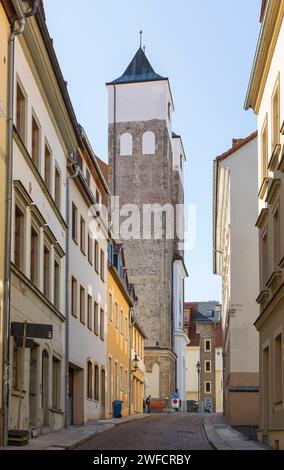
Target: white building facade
236,260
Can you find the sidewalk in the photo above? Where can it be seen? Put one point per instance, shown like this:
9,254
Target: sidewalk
74,435
222,437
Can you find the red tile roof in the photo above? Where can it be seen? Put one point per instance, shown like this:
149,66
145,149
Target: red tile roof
236,145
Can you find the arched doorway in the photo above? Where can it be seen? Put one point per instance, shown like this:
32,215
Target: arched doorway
103,393
45,388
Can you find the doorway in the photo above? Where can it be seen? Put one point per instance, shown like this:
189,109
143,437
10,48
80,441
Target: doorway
33,388
103,392
45,387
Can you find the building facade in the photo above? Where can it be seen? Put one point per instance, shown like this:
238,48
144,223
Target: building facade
120,305
138,385
44,136
204,383
6,17
236,260
265,98
88,202
145,168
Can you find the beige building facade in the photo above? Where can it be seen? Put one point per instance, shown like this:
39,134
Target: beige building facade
236,261
204,364
265,98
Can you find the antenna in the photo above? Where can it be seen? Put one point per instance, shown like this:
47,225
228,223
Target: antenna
141,35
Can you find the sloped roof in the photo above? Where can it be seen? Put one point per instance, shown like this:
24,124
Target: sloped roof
236,145
139,70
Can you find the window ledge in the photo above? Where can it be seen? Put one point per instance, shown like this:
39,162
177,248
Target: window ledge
262,218
263,297
274,280
274,157
263,188
281,163
56,410
273,190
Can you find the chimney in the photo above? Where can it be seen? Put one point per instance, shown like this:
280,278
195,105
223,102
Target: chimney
236,142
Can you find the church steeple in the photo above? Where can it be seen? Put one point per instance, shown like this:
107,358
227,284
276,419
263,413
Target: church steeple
139,70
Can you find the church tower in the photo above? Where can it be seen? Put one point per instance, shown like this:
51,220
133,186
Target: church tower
145,168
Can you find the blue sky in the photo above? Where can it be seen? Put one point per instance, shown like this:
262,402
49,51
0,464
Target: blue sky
205,47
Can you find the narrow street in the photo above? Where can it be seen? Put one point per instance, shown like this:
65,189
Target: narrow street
159,432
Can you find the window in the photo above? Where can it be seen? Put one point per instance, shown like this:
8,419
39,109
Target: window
82,305
19,248
278,368
110,312
80,162
90,248
88,177
110,383
98,197
46,271
264,259
74,297
126,381
116,315
102,325
276,117
148,143
180,162
35,143
56,284
121,378
102,265
74,223
96,256
21,113
207,345
56,372
89,312
121,322
116,395
96,318
97,383
34,256
207,366
264,151
207,387
276,237
126,144
47,167
82,235
57,186
169,111
126,328
89,380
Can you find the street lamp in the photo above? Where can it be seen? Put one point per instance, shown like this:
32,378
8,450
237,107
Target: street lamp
198,368
134,364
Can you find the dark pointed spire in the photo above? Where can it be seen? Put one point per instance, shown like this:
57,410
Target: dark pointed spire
139,69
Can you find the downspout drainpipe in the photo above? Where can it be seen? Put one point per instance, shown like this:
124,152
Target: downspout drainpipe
16,29
67,292
114,142
130,359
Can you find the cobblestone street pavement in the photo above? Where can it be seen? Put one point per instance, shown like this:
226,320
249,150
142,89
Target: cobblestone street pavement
159,432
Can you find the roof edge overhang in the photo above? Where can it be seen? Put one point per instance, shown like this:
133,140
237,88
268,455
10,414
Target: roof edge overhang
264,52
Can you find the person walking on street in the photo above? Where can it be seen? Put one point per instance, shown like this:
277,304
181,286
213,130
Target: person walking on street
148,404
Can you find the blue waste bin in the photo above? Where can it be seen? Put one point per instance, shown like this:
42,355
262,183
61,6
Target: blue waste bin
117,408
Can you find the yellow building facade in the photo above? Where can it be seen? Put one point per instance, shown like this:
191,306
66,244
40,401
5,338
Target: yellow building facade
137,367
118,333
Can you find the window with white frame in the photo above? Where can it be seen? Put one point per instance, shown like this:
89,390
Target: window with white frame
21,112
19,234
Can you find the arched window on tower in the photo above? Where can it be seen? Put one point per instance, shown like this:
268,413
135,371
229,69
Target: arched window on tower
126,144
149,143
